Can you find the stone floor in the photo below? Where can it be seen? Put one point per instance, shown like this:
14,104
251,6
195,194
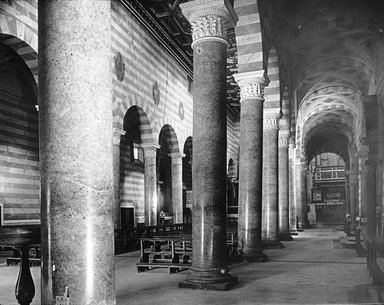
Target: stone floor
312,269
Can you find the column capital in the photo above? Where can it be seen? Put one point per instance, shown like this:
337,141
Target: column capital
117,133
353,176
252,84
271,118
283,142
150,150
209,19
176,157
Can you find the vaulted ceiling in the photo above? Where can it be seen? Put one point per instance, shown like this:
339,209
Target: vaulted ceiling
326,52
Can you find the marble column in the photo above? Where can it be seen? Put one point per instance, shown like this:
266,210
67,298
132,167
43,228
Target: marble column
76,165
371,198
353,184
270,227
117,133
250,165
177,186
283,187
292,197
363,157
150,184
209,20
300,192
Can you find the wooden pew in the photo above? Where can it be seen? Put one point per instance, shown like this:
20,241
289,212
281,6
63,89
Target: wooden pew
171,252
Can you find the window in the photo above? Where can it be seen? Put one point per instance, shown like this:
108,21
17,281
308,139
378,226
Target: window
137,153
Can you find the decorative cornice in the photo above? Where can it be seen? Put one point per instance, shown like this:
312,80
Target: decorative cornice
209,19
252,84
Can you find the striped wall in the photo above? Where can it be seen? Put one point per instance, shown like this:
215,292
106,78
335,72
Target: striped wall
233,138
272,92
19,155
284,121
131,181
248,36
18,24
146,62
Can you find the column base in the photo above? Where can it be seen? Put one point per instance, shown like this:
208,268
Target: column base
253,255
209,280
286,236
272,244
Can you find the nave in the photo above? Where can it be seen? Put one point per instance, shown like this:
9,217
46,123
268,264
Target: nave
312,269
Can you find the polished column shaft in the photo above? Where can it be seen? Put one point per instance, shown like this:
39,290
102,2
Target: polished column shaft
270,229
75,124
117,133
292,197
150,183
250,179
177,186
209,20
283,188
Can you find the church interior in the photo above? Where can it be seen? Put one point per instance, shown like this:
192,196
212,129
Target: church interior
191,152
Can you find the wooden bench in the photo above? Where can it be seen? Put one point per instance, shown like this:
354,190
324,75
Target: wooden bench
171,252
17,260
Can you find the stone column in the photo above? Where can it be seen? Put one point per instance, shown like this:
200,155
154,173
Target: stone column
363,157
250,164
300,192
292,197
283,188
117,133
177,186
270,227
353,181
76,151
371,198
150,184
209,20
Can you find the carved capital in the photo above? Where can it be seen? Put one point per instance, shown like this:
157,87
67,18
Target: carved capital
176,158
209,19
252,84
117,133
283,142
271,122
150,150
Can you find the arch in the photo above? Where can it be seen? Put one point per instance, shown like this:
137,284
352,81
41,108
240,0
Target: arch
169,134
188,147
136,117
232,172
187,180
24,44
272,92
120,106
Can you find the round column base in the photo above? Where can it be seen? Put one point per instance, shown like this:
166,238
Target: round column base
253,255
285,236
272,244
209,280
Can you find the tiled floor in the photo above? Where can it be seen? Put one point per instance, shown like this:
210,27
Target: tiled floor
312,269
